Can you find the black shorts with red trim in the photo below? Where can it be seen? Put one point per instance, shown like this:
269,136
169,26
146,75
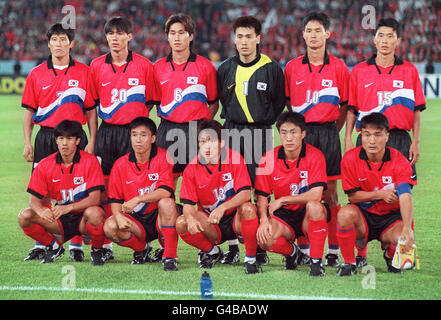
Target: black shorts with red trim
45,144
69,226
112,142
325,137
149,222
400,140
377,225
293,219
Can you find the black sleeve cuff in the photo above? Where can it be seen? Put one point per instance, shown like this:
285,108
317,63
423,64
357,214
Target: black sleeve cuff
113,200
352,190
213,101
35,194
101,188
167,188
420,107
351,108
261,193
319,184
186,201
344,103
29,107
244,188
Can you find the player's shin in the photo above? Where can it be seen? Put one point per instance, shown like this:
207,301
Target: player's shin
39,234
346,240
317,232
249,231
170,241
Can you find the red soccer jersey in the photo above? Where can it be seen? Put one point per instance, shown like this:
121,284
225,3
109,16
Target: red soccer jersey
129,178
57,95
186,89
211,185
66,185
395,92
317,91
290,178
123,92
358,174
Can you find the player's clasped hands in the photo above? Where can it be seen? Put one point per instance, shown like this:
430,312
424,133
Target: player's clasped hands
390,196
264,232
130,205
216,215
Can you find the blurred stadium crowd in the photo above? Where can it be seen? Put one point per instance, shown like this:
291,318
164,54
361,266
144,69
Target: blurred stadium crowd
23,24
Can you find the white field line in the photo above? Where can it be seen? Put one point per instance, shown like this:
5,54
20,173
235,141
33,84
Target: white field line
172,293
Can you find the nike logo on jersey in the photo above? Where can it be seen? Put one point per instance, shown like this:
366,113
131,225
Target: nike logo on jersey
362,179
56,180
105,84
44,88
299,82
129,182
163,82
202,187
277,178
369,84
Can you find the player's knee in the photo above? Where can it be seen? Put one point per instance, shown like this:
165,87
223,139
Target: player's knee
181,225
110,228
346,216
247,211
94,214
25,216
167,207
316,210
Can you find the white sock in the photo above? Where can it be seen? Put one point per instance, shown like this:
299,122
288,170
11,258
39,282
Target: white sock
108,245
234,242
213,250
249,259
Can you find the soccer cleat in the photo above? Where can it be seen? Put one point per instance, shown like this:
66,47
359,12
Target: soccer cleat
390,268
261,257
347,269
251,268
35,254
141,257
316,268
209,260
303,258
107,254
97,255
52,254
331,260
170,264
76,255
157,255
232,255
360,261
291,260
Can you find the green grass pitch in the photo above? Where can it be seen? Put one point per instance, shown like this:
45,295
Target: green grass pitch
118,279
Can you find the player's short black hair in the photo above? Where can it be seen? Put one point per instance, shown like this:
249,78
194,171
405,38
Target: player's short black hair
376,120
58,29
183,18
389,22
213,125
292,117
317,16
247,22
68,128
143,121
120,24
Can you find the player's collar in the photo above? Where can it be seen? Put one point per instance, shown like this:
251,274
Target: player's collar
50,64
191,58
109,57
281,154
76,159
386,157
305,60
248,64
223,157
153,153
397,61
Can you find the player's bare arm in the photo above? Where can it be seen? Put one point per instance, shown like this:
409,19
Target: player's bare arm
93,199
92,124
315,194
28,152
406,208
342,118
350,123
239,199
414,151
389,196
264,232
154,196
37,205
193,225
212,108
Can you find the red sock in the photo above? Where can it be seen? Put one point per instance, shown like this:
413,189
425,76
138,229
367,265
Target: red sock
332,228
390,251
170,241
133,243
303,243
282,246
317,232
77,241
346,239
96,234
249,231
39,234
362,251
198,240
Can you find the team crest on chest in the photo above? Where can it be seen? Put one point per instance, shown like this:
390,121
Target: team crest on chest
387,179
78,180
154,176
326,83
133,81
227,176
73,83
303,174
398,84
192,80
